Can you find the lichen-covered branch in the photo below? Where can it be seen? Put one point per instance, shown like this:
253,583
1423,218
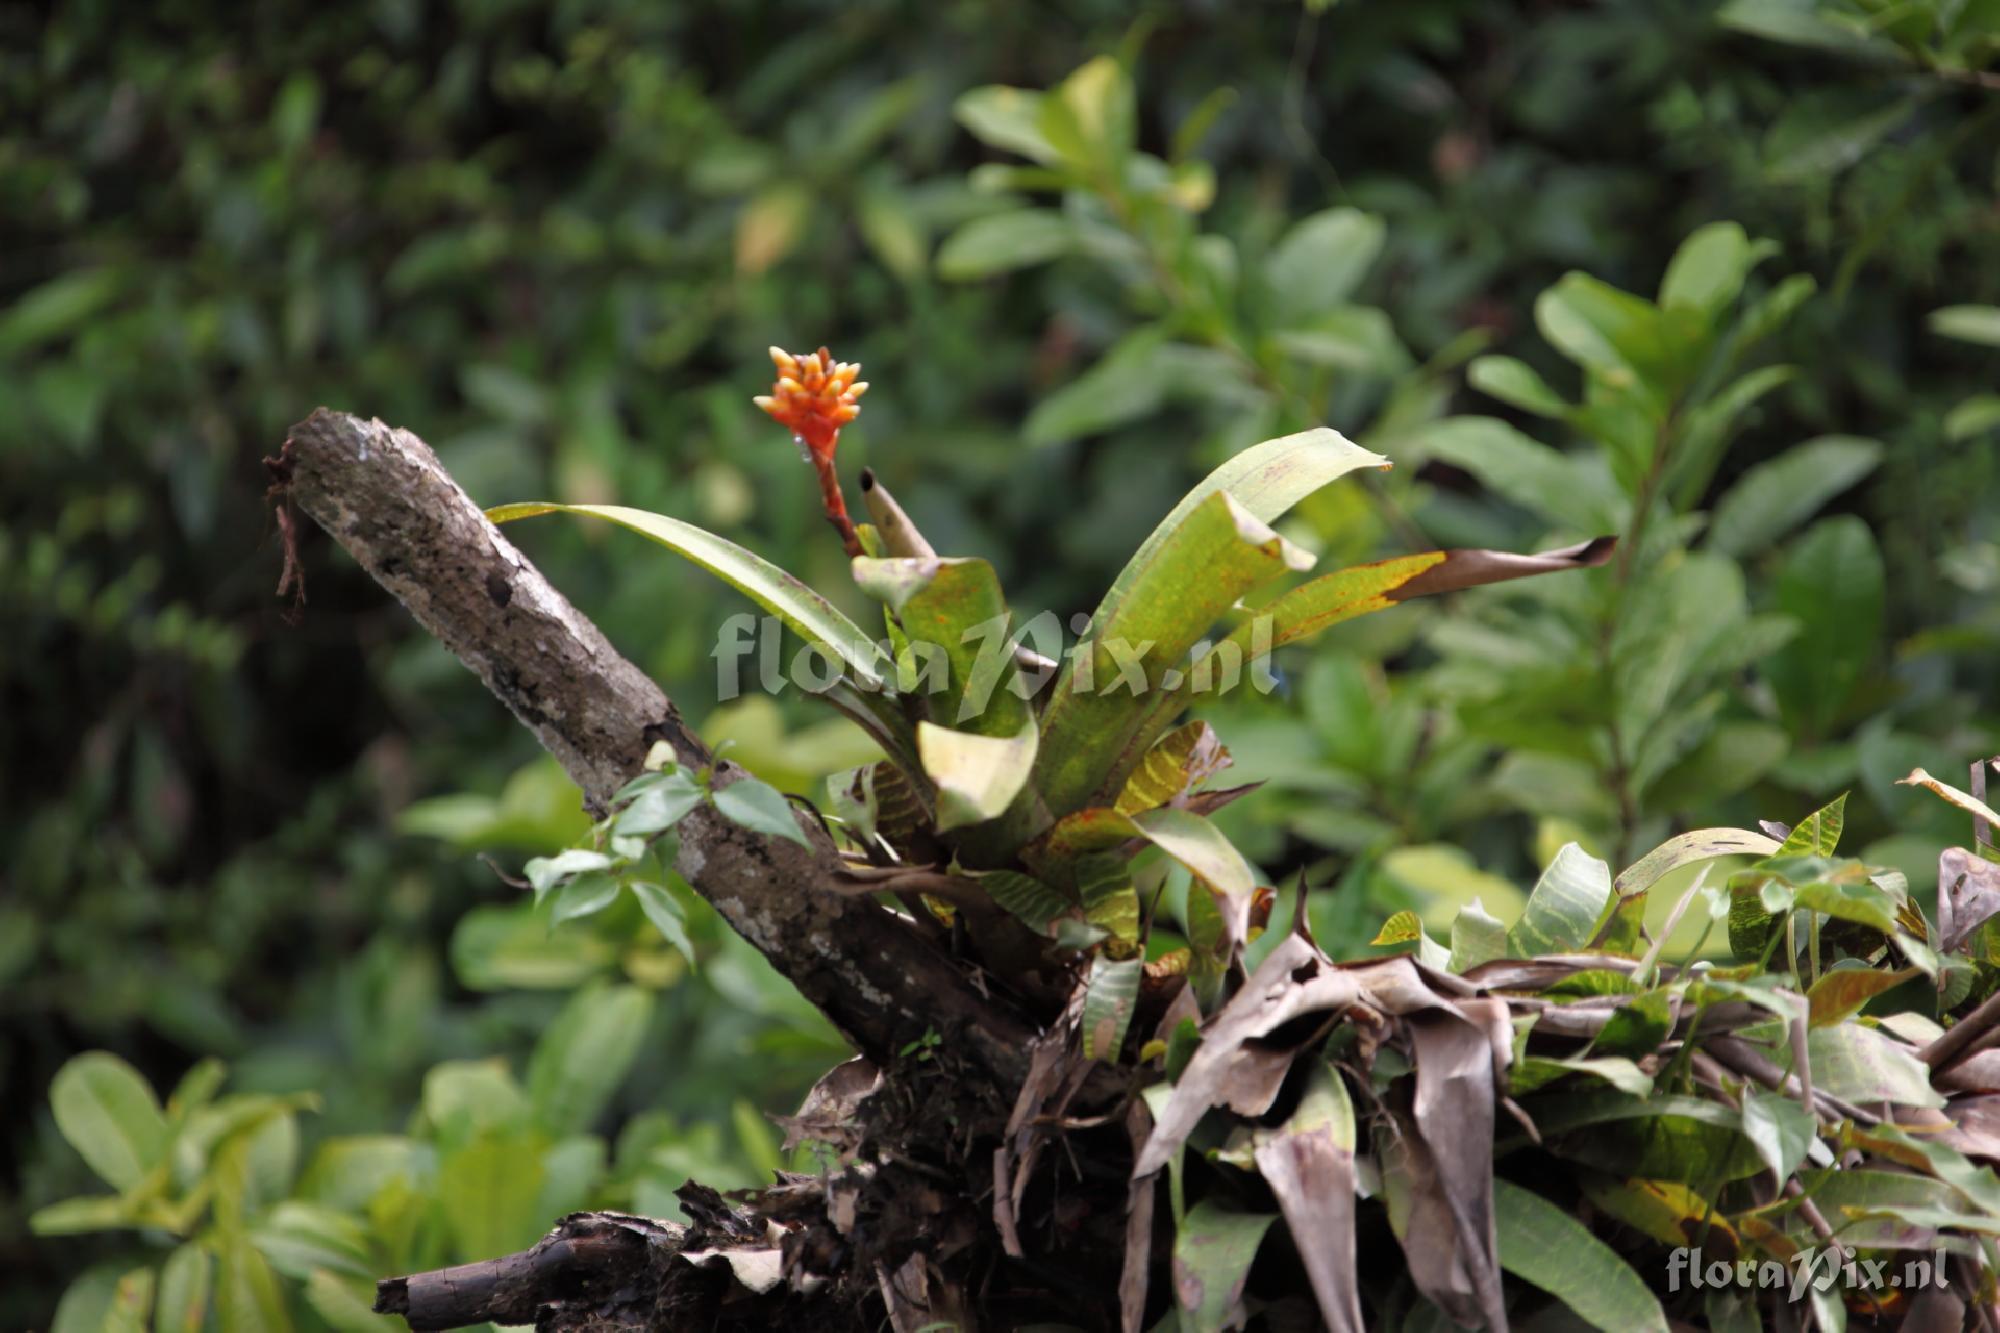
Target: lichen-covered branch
382,494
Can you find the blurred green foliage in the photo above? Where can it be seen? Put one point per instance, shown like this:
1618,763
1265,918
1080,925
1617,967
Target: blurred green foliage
554,240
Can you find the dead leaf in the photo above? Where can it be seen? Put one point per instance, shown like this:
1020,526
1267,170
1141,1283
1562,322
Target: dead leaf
1965,801
1295,978
1453,1112
1135,1277
1968,895
831,1110
1975,1127
1473,568
1309,1165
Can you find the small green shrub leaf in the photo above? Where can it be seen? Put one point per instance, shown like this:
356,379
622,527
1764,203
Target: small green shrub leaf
761,808
1542,1244
109,1114
999,242
584,1056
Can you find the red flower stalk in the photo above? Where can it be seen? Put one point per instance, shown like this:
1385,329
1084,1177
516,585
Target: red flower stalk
815,396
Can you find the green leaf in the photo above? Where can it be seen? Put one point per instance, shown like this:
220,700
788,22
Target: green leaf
584,1056
1028,899
1267,479
506,948
1213,1251
1097,106
300,1237
1781,1129
571,1169
1563,907
761,808
489,1189
1975,416
1476,937
1319,603
91,1212
348,1172
802,610
1111,995
1797,24
347,1305
1353,338
1832,582
1217,867
977,777
1181,760
582,896
131,1304
952,611
1970,323
1564,489
1609,332
109,1114
464,1097
1517,384
1008,118
1818,834
1320,262
248,1297
999,242
664,800
1638,1026
1665,1210
1532,1072
182,1303
1543,1245
1110,902
1199,845
1134,379
1708,270
1819,135
664,911
88,1300
1777,495
56,308
1698,845
1406,927
1137,640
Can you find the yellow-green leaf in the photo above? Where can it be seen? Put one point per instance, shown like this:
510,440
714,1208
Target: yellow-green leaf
977,777
953,614
802,610
1160,606
109,1114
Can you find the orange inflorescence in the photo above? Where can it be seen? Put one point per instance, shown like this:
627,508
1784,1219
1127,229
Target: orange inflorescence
814,396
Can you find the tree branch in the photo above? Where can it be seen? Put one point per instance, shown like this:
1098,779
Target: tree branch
382,494
587,1255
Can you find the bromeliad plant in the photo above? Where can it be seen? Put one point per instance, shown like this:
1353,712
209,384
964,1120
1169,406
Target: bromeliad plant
1015,790
1804,1110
